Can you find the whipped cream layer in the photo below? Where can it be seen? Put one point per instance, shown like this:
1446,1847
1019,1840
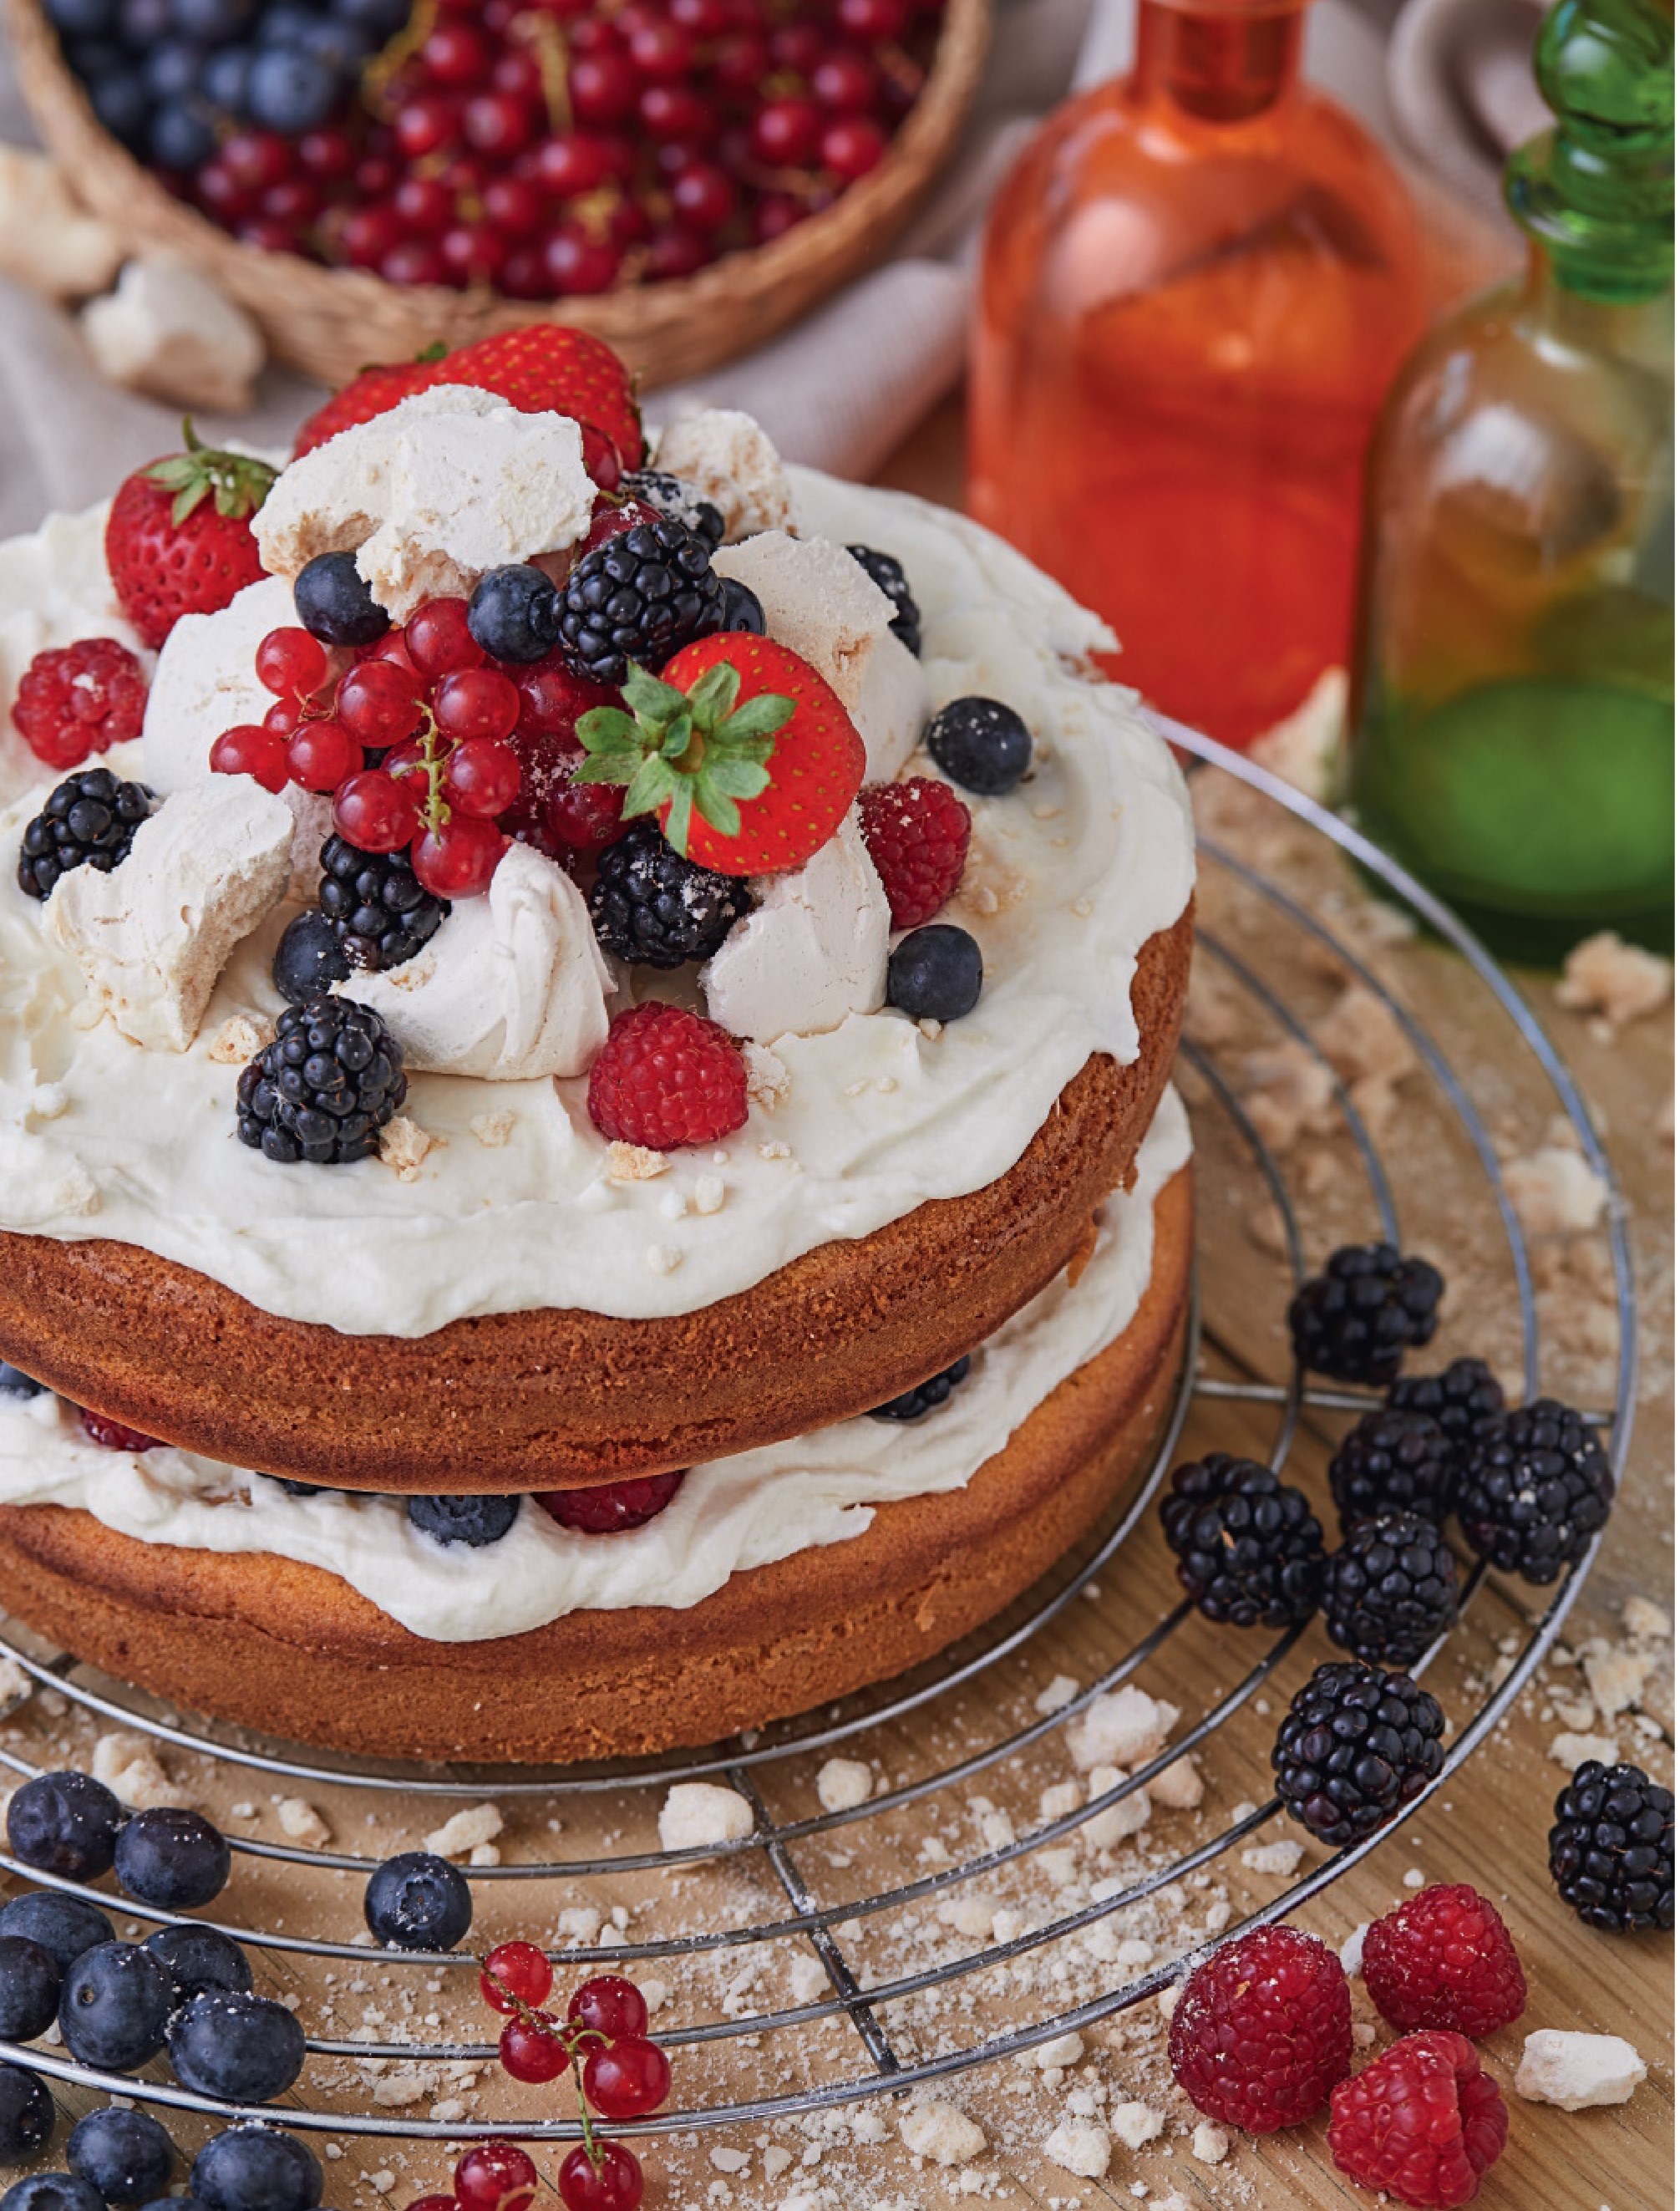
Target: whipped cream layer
748,1511
1067,878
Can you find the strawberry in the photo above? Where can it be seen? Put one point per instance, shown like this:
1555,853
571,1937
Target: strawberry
373,390
546,368
179,538
741,749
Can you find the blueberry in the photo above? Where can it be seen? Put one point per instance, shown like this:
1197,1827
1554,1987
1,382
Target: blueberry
122,103
92,58
290,92
475,1521
126,2155
338,46
981,744
242,2049
51,2191
140,22
284,23
200,1957
227,75
15,1382
213,22
64,1926
64,1823
381,18
171,1858
419,1902
936,974
335,604
257,2168
116,2006
25,2113
183,135
742,609
515,613
308,958
170,69
306,1488
80,19
29,1985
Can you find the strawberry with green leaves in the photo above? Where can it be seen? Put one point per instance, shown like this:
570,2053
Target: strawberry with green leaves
178,540
740,748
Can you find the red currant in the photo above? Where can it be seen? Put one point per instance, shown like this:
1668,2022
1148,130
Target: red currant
610,2004
873,20
607,1511
495,2176
295,201
740,62
473,252
662,49
775,214
586,816
438,639
414,261
706,19
374,812
851,146
291,663
675,251
255,158
523,276
267,235
369,233
376,174
221,193
322,756
423,204
328,154
628,2078
577,263
458,860
454,54
284,716
513,205
604,86
516,71
573,162
497,123
247,750
784,131
613,2185
113,1435
379,703
846,82
704,196
427,123
394,646
476,702
523,1970
532,2049
551,697
796,46
674,110
482,777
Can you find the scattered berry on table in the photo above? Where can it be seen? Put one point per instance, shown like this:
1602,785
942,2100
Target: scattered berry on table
639,597
29,1986
64,1926
1459,1401
1393,1462
473,1521
200,1960
1354,1321
257,2168
614,1506
64,1823
1263,2030
179,538
1423,2123
378,912
981,744
88,821
654,909
515,613
79,700
1391,1588
533,2049
114,2011
25,2113
615,2184
239,2049
887,575
1250,1550
171,1858
669,496
1445,1959
917,832
309,959
627,2079
1356,1744
326,1085
665,1078
418,1901
51,2191
516,1973
936,974
927,1397
15,1382
610,2005
1611,1849
335,603
126,2155
1536,1489
495,2176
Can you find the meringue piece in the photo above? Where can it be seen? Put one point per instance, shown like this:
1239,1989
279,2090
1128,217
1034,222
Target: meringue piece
206,683
153,935
167,331
448,484
48,240
1577,2072
813,953
892,709
510,989
725,455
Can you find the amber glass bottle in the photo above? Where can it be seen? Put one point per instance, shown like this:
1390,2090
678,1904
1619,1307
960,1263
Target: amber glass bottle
1197,286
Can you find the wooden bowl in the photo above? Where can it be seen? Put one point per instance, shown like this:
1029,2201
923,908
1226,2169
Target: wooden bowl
331,321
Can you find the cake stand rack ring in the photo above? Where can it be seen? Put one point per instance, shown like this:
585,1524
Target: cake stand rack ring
892,2054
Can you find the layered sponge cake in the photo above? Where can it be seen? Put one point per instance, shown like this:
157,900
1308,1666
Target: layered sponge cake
721,1229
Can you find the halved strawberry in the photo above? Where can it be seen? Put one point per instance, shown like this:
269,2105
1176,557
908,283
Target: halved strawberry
371,392
740,748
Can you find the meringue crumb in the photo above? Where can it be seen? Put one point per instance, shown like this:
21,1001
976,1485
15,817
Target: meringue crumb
673,1204
129,1766
241,1038
493,1129
1413,1877
47,1101
843,1784
299,1822
1577,2072
710,1192
884,1083
768,1081
941,2132
776,1151
403,1144
1280,1857
462,1831
1136,2124
1080,2147
1570,1751
1060,1692
1616,980
856,1089
930,1028
664,1258
1209,2144
701,1815
1083,908
634,1163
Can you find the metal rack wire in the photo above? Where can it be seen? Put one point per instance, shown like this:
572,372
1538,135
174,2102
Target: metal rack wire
782,1846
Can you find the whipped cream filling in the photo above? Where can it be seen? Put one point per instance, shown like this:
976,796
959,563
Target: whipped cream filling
515,1208
735,1513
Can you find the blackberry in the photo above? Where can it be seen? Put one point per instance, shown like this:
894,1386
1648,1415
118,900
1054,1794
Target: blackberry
1391,1588
375,906
1356,1744
656,909
1611,1849
326,1085
88,821
1537,1489
927,1397
1250,1550
1393,1463
887,575
1354,1321
671,496
640,596
1459,1402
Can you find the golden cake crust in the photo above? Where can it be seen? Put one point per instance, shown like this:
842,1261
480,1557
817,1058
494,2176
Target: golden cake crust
294,1651
560,1398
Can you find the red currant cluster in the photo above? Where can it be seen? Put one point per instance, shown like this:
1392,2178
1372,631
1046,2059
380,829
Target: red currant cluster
499,2175
545,148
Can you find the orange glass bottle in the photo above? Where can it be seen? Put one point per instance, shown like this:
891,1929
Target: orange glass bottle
1197,286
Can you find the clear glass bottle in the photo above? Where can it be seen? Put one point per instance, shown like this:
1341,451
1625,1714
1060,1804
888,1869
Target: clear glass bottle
1197,285
1514,699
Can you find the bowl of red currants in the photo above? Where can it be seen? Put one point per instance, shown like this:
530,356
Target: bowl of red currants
370,178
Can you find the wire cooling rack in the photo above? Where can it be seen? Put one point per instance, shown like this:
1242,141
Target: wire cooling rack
786,1850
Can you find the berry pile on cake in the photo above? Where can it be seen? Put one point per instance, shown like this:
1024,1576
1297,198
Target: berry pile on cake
622,999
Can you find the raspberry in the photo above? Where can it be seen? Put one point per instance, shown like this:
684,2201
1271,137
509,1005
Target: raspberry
1263,2030
80,700
1424,2121
1444,1959
112,1434
917,832
665,1078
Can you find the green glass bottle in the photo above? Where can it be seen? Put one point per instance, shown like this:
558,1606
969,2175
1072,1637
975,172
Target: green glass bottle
1514,695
